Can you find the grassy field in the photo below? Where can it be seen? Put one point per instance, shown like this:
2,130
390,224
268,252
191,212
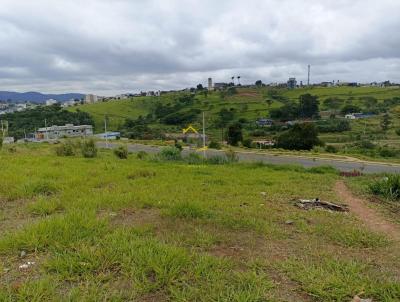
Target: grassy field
105,229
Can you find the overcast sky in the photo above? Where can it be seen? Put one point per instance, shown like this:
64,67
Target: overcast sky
115,46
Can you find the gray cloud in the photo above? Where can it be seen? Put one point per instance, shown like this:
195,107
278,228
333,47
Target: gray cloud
109,47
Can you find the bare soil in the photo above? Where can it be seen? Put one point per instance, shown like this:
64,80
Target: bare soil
370,217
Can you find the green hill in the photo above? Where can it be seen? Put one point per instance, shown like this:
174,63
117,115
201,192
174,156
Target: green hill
248,103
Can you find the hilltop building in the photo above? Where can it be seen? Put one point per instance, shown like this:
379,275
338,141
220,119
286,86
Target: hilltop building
69,130
50,102
210,84
292,83
90,99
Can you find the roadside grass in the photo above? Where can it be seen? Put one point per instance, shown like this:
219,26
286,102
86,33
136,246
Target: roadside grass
107,229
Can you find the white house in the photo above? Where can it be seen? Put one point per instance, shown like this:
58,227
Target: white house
50,102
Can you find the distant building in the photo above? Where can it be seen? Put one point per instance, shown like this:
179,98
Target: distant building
50,102
210,84
8,140
264,122
292,83
90,99
219,86
69,130
109,135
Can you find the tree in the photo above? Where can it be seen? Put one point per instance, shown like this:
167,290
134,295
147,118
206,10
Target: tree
235,134
300,137
385,122
259,83
369,101
308,105
287,112
333,103
205,93
200,87
349,108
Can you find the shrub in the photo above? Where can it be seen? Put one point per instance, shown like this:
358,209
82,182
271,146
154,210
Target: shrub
388,187
170,153
141,155
331,149
12,149
65,149
247,143
121,152
89,149
216,160
397,132
300,137
231,156
214,145
387,152
194,159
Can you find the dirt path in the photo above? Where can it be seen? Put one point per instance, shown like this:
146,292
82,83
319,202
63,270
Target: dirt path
374,220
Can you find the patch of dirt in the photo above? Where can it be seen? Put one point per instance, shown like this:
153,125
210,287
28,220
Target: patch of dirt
370,217
134,217
13,215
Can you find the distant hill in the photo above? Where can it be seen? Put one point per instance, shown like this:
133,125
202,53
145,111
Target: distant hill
37,97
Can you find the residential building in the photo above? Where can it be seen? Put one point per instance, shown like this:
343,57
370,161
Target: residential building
69,130
109,135
50,102
90,99
291,83
264,122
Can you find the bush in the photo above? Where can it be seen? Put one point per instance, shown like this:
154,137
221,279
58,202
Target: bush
387,152
397,132
387,187
247,143
300,137
331,149
121,152
194,159
65,149
216,160
89,149
170,153
214,145
141,155
231,156
12,149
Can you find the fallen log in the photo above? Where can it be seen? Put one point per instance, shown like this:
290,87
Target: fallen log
307,204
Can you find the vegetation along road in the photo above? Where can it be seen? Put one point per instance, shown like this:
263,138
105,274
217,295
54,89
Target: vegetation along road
340,164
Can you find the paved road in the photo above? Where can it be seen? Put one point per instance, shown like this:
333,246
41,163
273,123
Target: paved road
308,162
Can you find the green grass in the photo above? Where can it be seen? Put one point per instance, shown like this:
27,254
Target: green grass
137,229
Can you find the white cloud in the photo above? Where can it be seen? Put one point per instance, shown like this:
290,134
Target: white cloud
109,47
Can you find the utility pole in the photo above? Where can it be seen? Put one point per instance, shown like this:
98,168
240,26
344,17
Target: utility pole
105,130
308,78
204,138
45,126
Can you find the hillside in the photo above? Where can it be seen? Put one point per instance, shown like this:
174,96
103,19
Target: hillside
105,229
248,103
37,97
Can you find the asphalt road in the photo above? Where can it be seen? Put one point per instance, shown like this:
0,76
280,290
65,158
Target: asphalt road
308,162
